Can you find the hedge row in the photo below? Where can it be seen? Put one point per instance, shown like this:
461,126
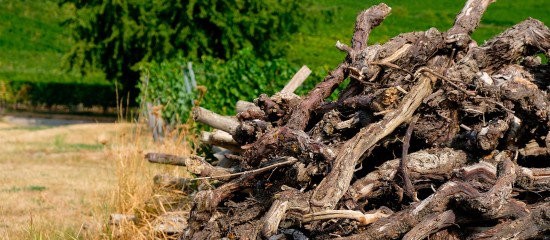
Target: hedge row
243,77
58,93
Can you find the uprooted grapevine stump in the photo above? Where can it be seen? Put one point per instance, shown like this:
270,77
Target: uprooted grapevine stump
475,120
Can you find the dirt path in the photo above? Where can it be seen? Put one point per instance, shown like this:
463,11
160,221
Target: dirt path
56,181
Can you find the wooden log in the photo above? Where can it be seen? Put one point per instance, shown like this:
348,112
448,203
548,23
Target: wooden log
531,226
222,139
468,19
438,162
534,179
273,217
490,204
397,224
361,218
215,120
169,159
205,202
366,21
120,219
512,45
432,224
337,182
297,140
194,164
290,87
170,223
242,106
297,80
532,148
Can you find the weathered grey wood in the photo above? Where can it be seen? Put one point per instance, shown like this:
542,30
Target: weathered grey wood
431,225
222,139
215,120
194,164
297,80
119,219
337,182
242,106
434,162
171,222
531,226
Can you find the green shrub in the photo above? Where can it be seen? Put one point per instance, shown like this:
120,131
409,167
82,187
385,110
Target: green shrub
115,36
243,77
23,88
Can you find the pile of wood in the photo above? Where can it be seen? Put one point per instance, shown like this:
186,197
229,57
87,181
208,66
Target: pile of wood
434,136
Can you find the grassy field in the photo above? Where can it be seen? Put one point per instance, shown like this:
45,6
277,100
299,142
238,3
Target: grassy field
314,46
32,41
64,182
54,183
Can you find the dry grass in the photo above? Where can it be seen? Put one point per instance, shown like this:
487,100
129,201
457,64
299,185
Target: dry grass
64,182
135,192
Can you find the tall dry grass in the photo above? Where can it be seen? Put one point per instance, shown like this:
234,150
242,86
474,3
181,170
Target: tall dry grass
135,192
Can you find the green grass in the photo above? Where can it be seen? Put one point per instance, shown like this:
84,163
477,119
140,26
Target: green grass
60,145
31,188
33,42
32,45
314,46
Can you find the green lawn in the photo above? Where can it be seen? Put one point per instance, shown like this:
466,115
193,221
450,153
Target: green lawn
314,46
33,42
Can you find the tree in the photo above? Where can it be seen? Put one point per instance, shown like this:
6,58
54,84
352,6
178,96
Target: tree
115,35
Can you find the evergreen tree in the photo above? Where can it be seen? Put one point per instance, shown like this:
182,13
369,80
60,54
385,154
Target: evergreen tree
115,35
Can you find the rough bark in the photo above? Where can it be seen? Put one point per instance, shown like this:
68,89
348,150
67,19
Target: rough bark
305,167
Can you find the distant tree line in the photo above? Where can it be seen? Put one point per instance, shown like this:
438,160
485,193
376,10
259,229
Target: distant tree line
116,36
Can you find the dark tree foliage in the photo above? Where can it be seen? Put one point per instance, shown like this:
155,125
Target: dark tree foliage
114,36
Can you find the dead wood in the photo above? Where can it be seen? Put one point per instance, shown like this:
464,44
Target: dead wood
242,106
430,225
273,217
403,165
533,225
289,141
305,167
170,223
433,163
401,222
468,19
207,201
361,218
169,159
215,120
483,203
297,80
221,139
194,164
524,39
366,21
336,183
